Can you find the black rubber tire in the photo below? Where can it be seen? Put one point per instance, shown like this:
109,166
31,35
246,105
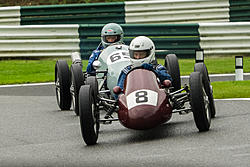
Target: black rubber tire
199,104
91,80
62,82
89,115
172,66
77,80
201,67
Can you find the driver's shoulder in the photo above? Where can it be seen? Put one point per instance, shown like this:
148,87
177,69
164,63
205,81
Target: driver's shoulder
98,50
127,69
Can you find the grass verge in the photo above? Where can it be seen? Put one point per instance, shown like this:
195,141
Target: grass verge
33,71
215,65
27,71
231,89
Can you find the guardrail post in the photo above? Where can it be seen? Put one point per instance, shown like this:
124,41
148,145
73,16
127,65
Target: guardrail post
199,56
238,68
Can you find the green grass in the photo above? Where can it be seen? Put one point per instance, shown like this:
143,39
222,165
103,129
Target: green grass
33,71
215,65
27,71
231,89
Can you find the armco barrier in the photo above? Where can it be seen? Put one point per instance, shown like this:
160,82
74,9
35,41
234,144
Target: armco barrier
181,39
38,41
10,15
239,10
153,11
62,40
225,38
177,11
92,13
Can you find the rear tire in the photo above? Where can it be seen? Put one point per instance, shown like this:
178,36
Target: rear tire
62,83
201,67
77,80
199,102
172,66
89,115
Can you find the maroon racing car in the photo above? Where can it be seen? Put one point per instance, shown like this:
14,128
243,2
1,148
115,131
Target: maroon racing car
146,103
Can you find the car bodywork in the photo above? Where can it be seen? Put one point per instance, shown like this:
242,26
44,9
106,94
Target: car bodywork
144,103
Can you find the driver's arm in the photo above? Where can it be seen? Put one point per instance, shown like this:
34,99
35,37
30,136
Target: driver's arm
120,83
95,54
162,73
122,76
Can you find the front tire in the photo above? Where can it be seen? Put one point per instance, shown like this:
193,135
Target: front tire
89,115
201,67
172,66
62,83
77,80
199,102
91,80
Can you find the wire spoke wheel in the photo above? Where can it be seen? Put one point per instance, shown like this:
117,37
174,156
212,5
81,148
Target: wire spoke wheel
77,80
62,85
199,102
206,105
89,115
201,67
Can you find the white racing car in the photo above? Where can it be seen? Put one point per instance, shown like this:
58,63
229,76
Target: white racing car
68,82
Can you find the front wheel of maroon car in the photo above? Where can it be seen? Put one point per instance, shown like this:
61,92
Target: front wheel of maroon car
201,67
89,115
199,102
62,83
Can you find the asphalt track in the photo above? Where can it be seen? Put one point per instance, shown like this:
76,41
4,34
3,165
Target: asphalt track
34,132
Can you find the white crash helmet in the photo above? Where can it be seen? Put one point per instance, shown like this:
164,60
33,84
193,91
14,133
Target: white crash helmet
111,29
138,44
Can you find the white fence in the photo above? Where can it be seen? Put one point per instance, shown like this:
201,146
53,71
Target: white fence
225,38
38,41
154,11
61,40
177,11
216,38
10,15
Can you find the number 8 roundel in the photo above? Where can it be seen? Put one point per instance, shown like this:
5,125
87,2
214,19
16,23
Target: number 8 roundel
142,97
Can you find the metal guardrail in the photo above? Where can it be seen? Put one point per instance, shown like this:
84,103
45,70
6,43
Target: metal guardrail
239,10
91,13
10,15
225,38
181,39
177,11
150,11
62,40
232,38
38,41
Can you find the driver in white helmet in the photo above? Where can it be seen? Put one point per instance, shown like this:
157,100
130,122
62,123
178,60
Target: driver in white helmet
142,54
111,33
